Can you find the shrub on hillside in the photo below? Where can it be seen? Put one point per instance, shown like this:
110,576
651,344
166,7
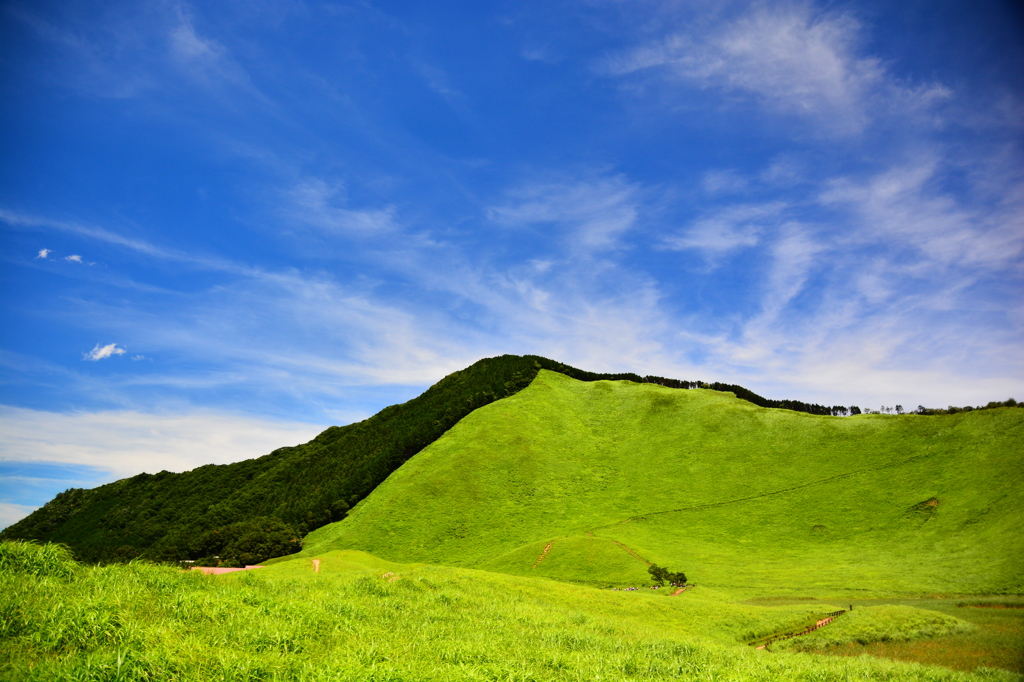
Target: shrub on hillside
663,575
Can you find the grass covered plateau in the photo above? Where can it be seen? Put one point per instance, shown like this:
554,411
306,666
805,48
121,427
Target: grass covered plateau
362,618
592,481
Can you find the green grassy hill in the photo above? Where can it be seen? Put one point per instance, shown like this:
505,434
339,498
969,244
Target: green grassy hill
161,516
617,474
165,516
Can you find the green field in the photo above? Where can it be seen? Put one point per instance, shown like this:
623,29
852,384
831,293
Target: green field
365,619
740,497
499,552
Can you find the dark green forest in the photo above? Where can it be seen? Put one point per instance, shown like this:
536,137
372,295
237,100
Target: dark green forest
218,510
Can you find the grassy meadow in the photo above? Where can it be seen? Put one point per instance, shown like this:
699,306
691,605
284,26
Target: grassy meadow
499,552
615,474
362,618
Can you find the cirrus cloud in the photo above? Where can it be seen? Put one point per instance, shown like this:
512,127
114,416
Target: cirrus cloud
788,56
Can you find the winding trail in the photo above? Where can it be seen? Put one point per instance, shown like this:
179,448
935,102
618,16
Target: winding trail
547,548
632,552
790,635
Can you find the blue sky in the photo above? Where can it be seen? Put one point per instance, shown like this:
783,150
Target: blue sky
226,226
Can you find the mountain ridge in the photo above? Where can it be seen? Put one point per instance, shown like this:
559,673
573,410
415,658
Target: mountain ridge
170,516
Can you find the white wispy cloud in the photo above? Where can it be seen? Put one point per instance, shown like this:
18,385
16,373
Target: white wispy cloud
539,53
140,246
906,204
315,202
204,59
103,352
108,61
596,212
727,229
25,220
883,294
125,443
819,294
141,49
793,256
353,337
187,46
794,58
44,253
718,182
437,79
12,513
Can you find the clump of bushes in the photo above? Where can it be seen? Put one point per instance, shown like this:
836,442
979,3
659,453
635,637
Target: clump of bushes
662,575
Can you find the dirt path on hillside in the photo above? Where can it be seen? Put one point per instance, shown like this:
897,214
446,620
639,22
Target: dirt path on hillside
629,550
632,552
790,635
680,590
547,548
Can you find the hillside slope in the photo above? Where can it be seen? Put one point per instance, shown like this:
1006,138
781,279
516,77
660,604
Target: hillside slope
160,516
166,515
589,481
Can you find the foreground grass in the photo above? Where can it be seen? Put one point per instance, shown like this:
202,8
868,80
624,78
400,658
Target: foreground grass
355,622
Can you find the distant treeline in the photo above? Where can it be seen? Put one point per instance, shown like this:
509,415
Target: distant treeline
174,517
796,405
921,409
740,392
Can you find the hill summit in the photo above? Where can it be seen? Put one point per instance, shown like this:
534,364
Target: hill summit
594,481
520,463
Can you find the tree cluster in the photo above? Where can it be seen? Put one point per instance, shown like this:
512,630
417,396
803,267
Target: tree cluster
921,409
245,543
662,575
